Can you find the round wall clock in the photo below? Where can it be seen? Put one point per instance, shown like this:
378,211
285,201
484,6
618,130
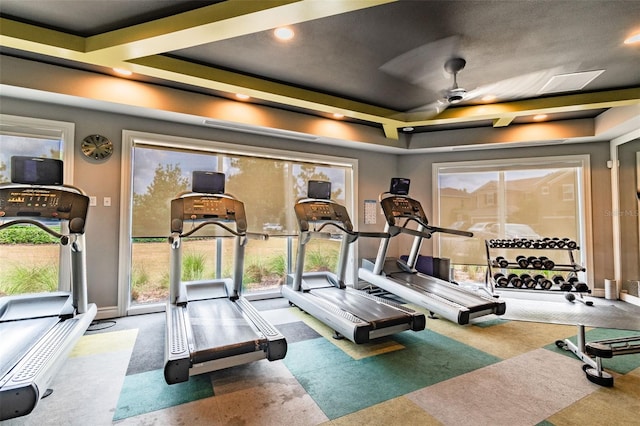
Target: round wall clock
97,147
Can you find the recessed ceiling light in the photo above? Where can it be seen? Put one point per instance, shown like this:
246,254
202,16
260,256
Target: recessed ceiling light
633,39
283,33
407,129
242,96
540,117
338,115
122,71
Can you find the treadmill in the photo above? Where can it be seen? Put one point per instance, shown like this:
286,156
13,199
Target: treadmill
39,330
401,278
209,324
351,313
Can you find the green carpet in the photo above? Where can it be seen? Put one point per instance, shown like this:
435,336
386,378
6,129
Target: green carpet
146,392
341,385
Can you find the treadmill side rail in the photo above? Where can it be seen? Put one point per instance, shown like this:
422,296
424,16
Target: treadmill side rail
276,347
176,353
23,386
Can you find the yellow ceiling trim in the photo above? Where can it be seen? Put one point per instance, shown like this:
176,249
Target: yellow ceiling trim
503,121
39,40
226,81
550,105
229,19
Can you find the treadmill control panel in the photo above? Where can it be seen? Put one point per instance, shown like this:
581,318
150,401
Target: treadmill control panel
44,203
207,207
402,206
321,211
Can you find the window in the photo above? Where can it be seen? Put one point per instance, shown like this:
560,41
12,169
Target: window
31,259
532,198
567,192
268,182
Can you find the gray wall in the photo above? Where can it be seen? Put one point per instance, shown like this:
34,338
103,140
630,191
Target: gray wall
102,179
375,171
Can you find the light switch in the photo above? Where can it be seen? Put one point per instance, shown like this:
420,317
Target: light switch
93,200
106,202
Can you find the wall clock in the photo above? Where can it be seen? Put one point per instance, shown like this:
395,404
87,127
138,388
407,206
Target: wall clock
97,147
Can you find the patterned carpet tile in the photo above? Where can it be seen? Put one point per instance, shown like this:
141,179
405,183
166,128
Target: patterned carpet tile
332,378
523,390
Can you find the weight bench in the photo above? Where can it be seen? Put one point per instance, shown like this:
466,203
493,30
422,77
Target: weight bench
598,349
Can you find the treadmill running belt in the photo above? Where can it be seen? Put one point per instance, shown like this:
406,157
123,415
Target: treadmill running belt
22,334
358,305
431,285
219,330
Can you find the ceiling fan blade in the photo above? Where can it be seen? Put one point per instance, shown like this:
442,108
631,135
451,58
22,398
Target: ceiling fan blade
424,112
423,65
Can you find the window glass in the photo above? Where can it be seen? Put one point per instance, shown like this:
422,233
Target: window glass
267,185
520,201
30,257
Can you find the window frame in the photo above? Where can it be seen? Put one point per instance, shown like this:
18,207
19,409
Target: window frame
40,127
132,138
584,205
67,133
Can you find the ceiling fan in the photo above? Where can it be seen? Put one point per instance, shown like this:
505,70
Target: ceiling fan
430,65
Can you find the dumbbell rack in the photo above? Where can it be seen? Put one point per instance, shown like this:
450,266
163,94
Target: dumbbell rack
528,246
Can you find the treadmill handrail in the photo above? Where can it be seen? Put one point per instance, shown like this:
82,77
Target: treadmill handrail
355,234
36,223
213,222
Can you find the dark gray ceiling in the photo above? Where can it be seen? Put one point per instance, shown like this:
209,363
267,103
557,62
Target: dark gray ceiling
512,47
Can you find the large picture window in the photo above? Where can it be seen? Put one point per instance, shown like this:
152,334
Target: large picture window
532,198
31,257
268,182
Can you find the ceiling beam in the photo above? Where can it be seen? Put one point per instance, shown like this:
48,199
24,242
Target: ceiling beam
186,72
550,105
220,21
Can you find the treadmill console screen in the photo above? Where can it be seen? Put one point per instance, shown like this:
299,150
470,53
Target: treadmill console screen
322,211
45,203
36,171
208,182
399,186
397,207
318,189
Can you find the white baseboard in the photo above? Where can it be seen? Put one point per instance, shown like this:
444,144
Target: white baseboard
630,299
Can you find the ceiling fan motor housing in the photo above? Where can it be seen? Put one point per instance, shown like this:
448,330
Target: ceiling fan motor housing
456,95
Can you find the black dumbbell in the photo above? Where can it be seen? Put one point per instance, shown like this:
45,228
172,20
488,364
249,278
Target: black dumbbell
578,285
543,282
547,263
535,262
514,281
564,286
571,244
522,261
501,280
527,281
502,262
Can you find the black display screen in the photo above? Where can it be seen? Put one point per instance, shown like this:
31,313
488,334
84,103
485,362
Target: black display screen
399,186
208,182
318,189
36,171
